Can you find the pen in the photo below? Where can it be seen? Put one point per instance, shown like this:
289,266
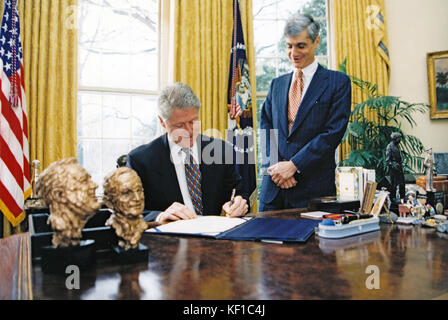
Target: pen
232,198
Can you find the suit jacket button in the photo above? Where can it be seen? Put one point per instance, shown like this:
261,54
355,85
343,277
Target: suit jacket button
287,141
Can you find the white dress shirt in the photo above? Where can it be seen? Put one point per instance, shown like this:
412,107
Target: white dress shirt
179,159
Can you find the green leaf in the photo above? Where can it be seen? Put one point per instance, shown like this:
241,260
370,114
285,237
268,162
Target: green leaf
369,139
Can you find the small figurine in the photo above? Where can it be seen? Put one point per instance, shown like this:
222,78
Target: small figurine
429,167
34,201
404,210
69,191
411,199
36,165
394,162
121,161
123,194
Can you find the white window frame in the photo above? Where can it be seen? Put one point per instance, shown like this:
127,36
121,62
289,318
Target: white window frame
165,58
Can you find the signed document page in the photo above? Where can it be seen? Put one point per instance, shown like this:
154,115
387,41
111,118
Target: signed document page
202,225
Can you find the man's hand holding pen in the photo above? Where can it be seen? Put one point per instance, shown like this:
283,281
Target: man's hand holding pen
236,207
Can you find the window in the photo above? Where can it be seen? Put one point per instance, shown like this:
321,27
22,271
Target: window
118,80
270,46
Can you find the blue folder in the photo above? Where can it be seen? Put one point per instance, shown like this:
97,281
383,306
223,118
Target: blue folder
272,229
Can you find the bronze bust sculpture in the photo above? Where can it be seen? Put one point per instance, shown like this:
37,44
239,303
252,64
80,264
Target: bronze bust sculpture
123,194
69,192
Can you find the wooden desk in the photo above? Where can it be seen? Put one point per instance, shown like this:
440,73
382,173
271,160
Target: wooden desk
413,264
15,268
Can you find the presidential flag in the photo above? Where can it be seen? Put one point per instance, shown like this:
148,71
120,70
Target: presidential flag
14,158
239,101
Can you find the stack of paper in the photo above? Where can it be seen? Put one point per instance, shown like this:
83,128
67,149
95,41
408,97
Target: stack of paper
202,225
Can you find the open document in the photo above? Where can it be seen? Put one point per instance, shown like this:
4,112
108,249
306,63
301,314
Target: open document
202,225
249,229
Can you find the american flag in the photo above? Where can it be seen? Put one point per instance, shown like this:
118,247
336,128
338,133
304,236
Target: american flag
239,91
239,100
14,159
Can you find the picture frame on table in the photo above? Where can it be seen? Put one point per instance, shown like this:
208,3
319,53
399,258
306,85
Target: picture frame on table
437,63
379,203
369,196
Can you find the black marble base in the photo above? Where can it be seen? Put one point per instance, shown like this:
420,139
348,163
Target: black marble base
139,254
56,259
434,197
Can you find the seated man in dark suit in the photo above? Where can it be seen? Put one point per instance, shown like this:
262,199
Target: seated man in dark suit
184,173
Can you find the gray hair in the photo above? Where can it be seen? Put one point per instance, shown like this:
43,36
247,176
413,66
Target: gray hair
177,95
395,135
299,22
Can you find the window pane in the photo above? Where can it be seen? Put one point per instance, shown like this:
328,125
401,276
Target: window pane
264,9
89,157
118,44
288,7
322,49
315,8
116,116
117,50
284,66
266,46
89,115
265,72
323,60
112,149
144,119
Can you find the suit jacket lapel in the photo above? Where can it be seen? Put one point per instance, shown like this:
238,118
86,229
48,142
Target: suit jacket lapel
317,86
283,102
202,143
207,176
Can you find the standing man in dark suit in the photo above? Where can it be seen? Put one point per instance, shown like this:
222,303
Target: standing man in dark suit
309,108
185,174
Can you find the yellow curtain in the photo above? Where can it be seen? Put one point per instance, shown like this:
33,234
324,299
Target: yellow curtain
50,46
202,42
360,36
49,43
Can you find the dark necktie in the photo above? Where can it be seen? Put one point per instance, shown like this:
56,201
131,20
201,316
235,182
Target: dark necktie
193,176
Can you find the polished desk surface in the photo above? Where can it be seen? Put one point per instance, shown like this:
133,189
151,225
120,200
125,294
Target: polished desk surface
412,263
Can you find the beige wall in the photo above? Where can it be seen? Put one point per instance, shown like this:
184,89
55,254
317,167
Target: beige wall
416,27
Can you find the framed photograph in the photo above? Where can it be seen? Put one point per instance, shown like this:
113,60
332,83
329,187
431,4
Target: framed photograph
379,203
438,83
369,196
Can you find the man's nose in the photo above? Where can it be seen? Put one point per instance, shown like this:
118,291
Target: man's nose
189,127
138,195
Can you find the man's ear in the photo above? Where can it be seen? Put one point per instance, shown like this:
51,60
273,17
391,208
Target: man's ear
162,123
317,41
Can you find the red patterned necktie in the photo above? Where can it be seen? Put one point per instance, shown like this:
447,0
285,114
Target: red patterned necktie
193,175
295,97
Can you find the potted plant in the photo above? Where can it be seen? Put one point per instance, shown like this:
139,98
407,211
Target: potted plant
368,138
